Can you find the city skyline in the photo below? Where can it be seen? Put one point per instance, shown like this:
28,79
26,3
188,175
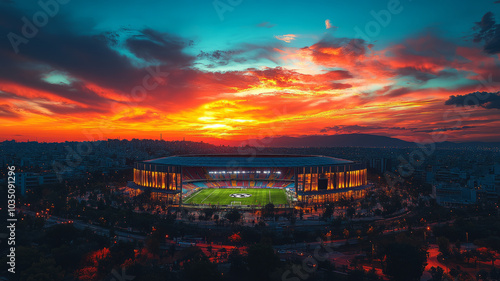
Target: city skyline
232,70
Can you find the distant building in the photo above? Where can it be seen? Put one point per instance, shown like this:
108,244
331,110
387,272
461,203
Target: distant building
379,164
450,175
32,180
488,185
452,195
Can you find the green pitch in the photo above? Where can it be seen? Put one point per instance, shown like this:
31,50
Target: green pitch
221,196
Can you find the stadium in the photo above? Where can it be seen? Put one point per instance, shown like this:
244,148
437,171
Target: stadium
240,180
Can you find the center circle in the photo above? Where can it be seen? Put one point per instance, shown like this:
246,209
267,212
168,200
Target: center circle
240,195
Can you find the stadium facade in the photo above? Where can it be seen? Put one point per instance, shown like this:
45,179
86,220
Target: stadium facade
310,179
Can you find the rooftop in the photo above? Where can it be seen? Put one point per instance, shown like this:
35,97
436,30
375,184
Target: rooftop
236,160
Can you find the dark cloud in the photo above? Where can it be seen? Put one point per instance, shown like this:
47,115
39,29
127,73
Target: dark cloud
336,75
427,45
256,52
398,92
483,99
423,75
265,24
392,91
85,58
359,128
488,31
101,75
446,129
221,57
240,54
339,86
347,46
368,128
417,74
423,57
157,47
287,78
6,111
71,109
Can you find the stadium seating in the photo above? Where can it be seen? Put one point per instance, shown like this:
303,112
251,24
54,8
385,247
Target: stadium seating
198,177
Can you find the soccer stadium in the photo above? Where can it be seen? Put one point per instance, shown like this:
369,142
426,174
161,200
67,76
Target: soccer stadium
249,181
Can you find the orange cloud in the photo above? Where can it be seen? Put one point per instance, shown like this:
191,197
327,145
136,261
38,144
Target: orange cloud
287,37
343,84
328,25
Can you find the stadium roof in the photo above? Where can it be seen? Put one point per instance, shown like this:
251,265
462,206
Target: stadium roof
230,160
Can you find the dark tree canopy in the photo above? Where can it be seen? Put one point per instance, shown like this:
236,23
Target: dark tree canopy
404,262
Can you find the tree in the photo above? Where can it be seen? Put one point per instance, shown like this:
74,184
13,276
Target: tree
495,273
437,273
209,212
356,275
262,261
489,255
60,234
25,257
293,218
43,270
350,212
153,243
346,233
482,275
444,246
172,250
201,269
329,210
344,202
233,216
268,211
372,275
404,262
468,255
238,266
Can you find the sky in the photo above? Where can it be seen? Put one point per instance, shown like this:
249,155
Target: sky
229,70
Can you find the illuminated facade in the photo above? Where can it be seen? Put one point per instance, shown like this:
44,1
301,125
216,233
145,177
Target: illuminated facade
313,179
164,181
319,184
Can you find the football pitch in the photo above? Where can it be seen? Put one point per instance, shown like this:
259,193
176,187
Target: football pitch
233,196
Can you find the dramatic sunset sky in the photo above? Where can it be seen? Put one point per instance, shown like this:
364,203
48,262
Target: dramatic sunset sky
232,69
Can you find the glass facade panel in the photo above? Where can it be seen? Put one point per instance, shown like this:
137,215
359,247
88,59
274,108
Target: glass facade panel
352,178
159,177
